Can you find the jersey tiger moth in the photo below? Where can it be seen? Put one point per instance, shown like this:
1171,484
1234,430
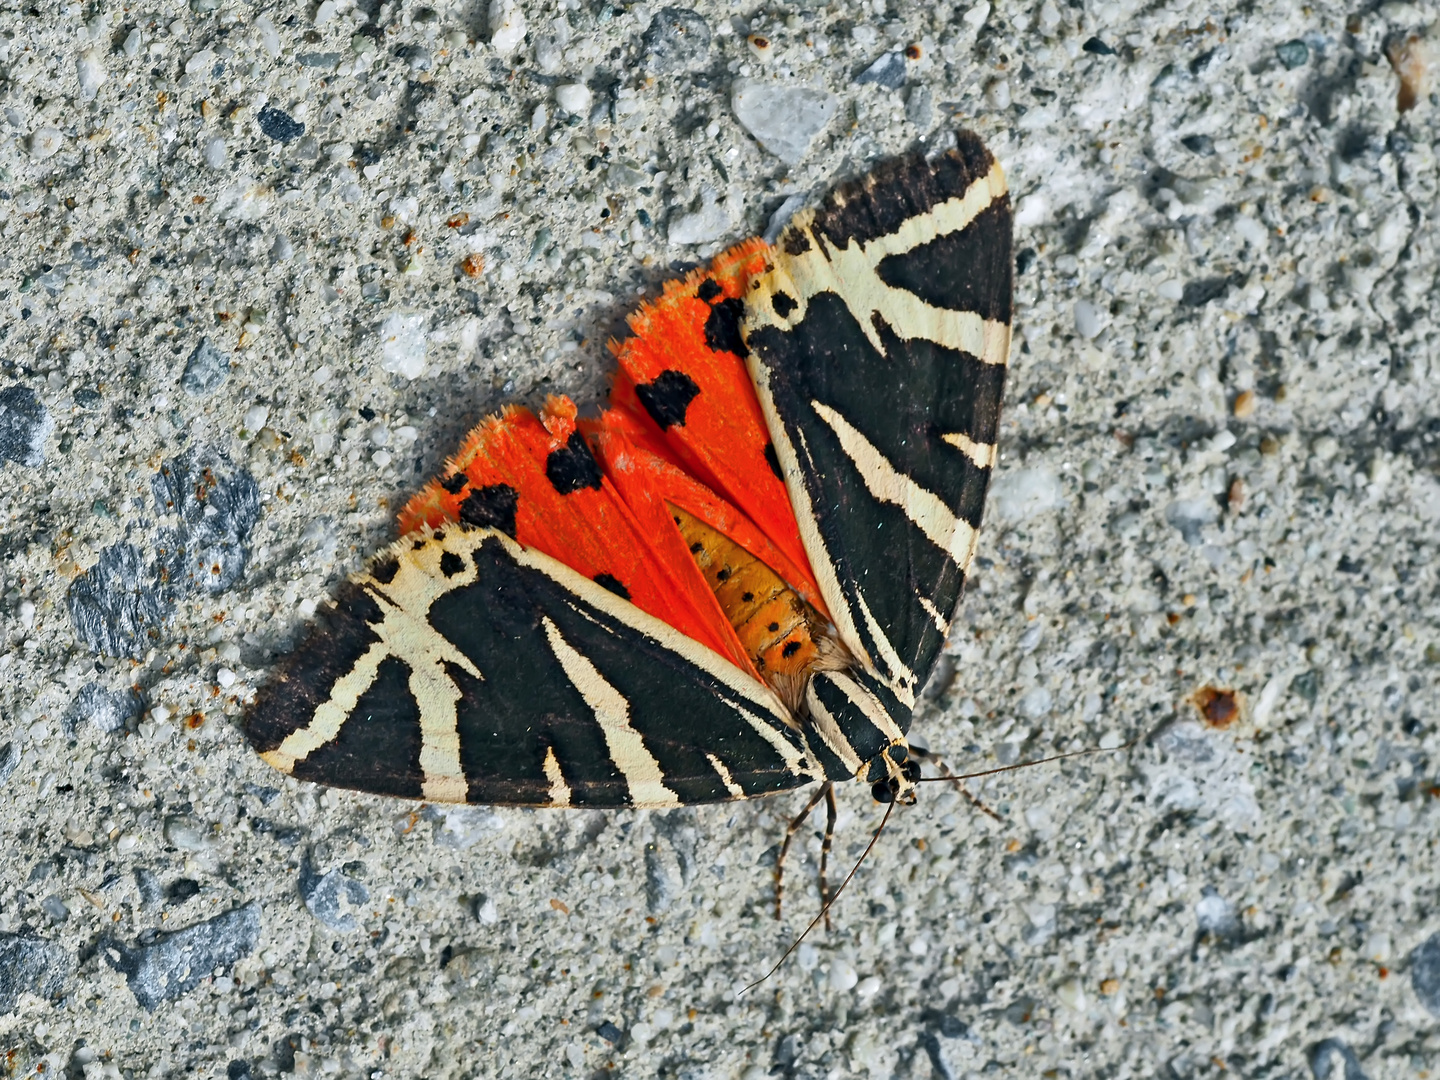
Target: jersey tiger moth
734,581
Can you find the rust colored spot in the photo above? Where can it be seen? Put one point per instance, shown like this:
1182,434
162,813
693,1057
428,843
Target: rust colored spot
559,906
1244,406
1383,972
473,265
456,221
387,221
912,51
1218,708
198,199
1408,56
1109,987
195,721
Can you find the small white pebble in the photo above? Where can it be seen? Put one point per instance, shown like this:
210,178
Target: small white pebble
842,975
255,417
487,912
405,435
225,677
214,152
127,843
45,142
1088,320
380,435
27,613
867,988
322,375
997,94
574,98
159,714
539,118
90,71
325,12
381,458
1071,994
1170,289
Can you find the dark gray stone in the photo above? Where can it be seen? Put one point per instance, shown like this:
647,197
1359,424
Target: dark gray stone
322,894
677,39
108,710
1331,1059
118,605
148,885
161,967
1203,145
30,964
9,759
888,71
206,369
919,107
315,60
1293,54
217,507
278,125
1214,915
1425,973
25,424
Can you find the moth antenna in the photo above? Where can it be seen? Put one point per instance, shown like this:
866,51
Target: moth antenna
1024,764
825,911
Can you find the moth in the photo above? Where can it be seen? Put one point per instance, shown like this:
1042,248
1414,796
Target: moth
732,582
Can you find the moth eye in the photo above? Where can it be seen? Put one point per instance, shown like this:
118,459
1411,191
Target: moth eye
881,793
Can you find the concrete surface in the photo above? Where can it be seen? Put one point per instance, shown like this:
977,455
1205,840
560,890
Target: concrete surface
261,269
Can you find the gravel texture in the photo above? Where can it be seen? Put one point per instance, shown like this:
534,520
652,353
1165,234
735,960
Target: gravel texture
262,268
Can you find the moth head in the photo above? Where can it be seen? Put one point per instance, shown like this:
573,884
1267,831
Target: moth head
861,721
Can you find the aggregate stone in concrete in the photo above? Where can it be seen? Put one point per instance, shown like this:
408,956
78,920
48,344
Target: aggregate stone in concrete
162,966
31,965
1219,472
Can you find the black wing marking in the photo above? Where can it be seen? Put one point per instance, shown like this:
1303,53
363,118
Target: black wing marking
878,345
482,671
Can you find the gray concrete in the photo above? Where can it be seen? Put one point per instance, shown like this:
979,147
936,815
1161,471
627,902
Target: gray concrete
237,330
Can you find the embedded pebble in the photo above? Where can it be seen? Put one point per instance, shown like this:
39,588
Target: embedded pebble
403,345
45,142
217,505
118,605
108,710
701,226
1190,516
1023,494
330,896
843,976
25,424
167,965
1293,54
1088,320
888,71
279,125
206,369
90,72
31,965
507,26
1332,1059
1425,973
677,39
9,760
783,119
574,98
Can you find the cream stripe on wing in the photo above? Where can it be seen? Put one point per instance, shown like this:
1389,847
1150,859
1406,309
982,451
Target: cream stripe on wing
725,777
868,704
941,623
830,734
612,712
559,789
329,716
943,218
926,511
982,454
904,686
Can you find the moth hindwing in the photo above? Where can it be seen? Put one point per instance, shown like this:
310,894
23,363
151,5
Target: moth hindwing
731,583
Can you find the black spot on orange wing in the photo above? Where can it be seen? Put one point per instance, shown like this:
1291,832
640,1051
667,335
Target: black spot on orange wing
667,398
451,564
722,328
790,649
454,483
783,304
611,582
572,468
491,507
708,290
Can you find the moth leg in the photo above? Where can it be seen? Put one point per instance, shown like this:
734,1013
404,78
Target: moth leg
944,770
789,836
830,813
